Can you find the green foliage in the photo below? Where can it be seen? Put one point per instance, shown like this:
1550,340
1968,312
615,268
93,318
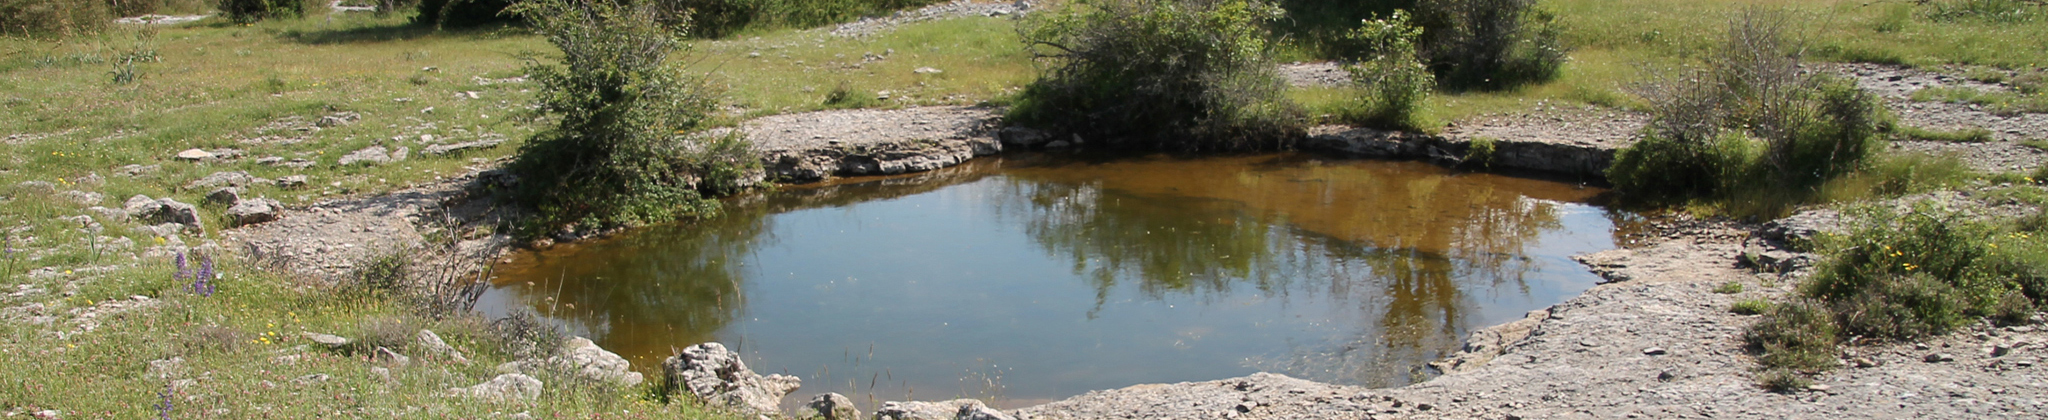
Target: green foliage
246,11
1705,124
53,18
1901,306
1160,75
1925,240
620,151
1480,152
1729,288
1783,380
462,13
1490,44
1750,307
2000,103
1798,335
720,18
1391,76
1992,11
1969,135
2015,308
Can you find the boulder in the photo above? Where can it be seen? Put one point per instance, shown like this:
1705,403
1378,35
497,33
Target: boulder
226,196
504,388
926,410
1799,229
225,179
194,155
134,170
374,155
442,149
292,182
165,210
717,376
587,361
329,340
432,343
254,211
975,410
829,406
139,204
83,197
392,357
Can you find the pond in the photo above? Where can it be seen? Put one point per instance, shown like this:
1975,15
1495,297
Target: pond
1020,280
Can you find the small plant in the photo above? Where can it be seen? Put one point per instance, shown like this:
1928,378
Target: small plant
247,11
1394,80
163,406
1729,288
1783,381
1798,335
201,280
2013,309
1970,135
1160,75
1480,152
1750,307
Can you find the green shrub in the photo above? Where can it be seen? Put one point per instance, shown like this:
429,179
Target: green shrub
1901,307
53,18
1783,380
1394,80
1666,168
1490,44
2013,309
1729,288
620,152
462,13
1750,307
1927,240
1160,75
246,11
1971,135
1798,335
134,7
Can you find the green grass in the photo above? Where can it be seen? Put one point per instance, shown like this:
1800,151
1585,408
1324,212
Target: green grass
2001,103
1973,135
1729,288
1750,307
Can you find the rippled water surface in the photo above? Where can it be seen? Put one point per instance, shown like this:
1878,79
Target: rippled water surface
1024,280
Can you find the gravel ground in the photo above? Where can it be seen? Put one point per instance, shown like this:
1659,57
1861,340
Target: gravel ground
1315,74
872,26
866,127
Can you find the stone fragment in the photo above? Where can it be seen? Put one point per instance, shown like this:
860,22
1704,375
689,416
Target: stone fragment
1655,351
432,343
38,186
442,149
830,406
292,182
718,377
1938,358
373,155
134,170
924,410
312,379
392,357
254,211
927,70
504,388
329,340
590,362
1022,137
975,410
226,196
226,179
165,211
194,155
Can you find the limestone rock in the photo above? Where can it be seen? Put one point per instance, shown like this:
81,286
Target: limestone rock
254,211
226,196
830,406
442,149
292,182
38,186
975,410
374,155
504,388
432,343
1802,227
329,340
927,410
83,197
1022,137
392,357
589,362
194,155
226,179
717,376
165,210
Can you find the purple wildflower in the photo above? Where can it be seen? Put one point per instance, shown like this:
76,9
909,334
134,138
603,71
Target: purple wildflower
203,282
183,270
164,409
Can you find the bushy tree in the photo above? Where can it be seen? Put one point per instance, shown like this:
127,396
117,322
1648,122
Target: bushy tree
620,151
1392,77
1160,75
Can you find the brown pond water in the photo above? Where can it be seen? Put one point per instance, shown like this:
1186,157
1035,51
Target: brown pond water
1027,279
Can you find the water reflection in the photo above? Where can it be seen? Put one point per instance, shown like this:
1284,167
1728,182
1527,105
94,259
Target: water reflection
1035,280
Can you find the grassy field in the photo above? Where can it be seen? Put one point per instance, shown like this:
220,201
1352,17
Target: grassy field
72,124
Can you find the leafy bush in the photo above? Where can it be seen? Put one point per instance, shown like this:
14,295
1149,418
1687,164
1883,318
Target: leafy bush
1467,44
1927,240
1750,307
1160,75
1393,78
462,13
245,11
53,18
1783,380
620,152
1798,335
1706,123
1902,307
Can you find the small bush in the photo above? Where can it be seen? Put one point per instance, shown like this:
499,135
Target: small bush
1728,288
392,333
246,11
1480,152
1902,307
1394,80
1798,335
1783,381
1160,75
1971,135
621,151
383,272
2013,309
1490,44
1663,168
1750,307
53,18
1927,240
462,13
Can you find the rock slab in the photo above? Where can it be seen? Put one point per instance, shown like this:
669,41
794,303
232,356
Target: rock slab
717,376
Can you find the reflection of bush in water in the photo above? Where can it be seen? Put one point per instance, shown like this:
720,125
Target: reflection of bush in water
693,285
1208,247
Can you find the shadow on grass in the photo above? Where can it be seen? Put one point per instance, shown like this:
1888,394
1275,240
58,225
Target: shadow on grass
394,32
